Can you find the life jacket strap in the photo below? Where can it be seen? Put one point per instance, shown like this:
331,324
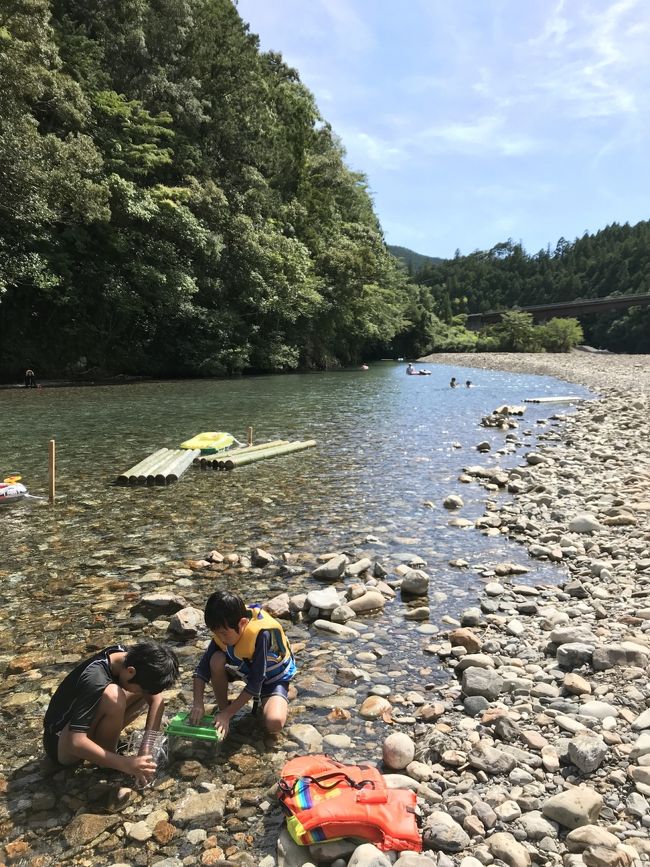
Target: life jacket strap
337,778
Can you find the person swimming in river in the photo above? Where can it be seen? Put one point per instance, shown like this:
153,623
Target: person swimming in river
411,371
468,383
452,382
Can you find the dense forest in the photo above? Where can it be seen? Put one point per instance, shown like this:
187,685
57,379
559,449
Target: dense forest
173,203
414,261
614,261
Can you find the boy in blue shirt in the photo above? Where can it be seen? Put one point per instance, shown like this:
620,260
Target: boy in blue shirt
247,644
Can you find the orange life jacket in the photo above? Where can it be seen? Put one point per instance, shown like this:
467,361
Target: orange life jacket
325,800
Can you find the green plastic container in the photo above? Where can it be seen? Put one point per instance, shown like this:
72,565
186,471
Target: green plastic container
180,727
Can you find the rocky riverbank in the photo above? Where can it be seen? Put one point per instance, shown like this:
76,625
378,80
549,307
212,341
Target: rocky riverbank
535,749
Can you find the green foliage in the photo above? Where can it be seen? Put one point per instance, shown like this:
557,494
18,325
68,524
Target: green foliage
172,201
517,333
614,261
561,335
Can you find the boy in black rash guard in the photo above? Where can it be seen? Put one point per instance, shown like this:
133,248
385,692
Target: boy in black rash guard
247,644
99,697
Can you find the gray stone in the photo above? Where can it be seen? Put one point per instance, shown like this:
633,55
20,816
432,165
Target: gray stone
590,835
370,601
574,655
279,606
325,600
482,681
584,523
260,557
331,569
598,710
536,827
187,622
368,855
338,630
587,753
443,834
642,721
504,847
574,807
415,583
155,604
200,810
626,653
475,704
357,568
307,737
398,751
490,760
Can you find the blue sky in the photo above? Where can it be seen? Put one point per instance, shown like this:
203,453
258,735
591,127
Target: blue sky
480,120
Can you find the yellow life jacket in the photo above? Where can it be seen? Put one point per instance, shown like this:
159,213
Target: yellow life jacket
280,664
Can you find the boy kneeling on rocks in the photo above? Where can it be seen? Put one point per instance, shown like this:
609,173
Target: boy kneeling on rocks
102,695
247,644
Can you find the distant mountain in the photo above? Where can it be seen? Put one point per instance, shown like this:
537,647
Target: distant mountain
413,261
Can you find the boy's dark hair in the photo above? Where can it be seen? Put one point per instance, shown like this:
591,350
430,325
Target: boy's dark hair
156,666
224,609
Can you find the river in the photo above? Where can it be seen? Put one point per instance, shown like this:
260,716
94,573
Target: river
390,448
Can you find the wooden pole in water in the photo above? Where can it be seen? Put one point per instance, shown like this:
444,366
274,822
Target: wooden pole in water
131,476
172,471
215,461
51,452
263,454
250,436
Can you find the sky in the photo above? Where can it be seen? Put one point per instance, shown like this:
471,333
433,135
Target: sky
476,121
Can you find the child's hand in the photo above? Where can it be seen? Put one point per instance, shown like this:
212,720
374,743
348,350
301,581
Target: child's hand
143,768
222,723
197,713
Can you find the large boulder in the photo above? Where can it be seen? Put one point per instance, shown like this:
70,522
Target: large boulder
574,807
398,751
187,622
332,569
482,681
443,834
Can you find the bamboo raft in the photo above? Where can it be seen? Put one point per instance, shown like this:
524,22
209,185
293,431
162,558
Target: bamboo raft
240,457
160,468
570,398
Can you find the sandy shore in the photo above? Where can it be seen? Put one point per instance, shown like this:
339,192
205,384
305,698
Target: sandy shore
595,370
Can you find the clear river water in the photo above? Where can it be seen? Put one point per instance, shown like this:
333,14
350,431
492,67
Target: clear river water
390,449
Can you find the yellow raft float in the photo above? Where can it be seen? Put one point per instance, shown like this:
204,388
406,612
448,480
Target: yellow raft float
210,442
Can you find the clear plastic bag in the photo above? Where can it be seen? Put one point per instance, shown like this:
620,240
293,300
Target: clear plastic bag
153,743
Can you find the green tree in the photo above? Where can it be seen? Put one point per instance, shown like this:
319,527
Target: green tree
561,335
517,333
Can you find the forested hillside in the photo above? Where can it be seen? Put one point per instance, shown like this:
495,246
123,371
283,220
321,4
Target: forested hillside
414,261
614,261
172,201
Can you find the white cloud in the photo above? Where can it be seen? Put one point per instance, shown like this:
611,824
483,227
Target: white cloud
387,154
487,136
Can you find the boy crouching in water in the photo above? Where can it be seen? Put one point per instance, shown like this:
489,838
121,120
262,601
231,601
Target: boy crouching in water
99,697
247,644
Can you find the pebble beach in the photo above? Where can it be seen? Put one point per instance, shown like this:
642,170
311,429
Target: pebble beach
530,746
